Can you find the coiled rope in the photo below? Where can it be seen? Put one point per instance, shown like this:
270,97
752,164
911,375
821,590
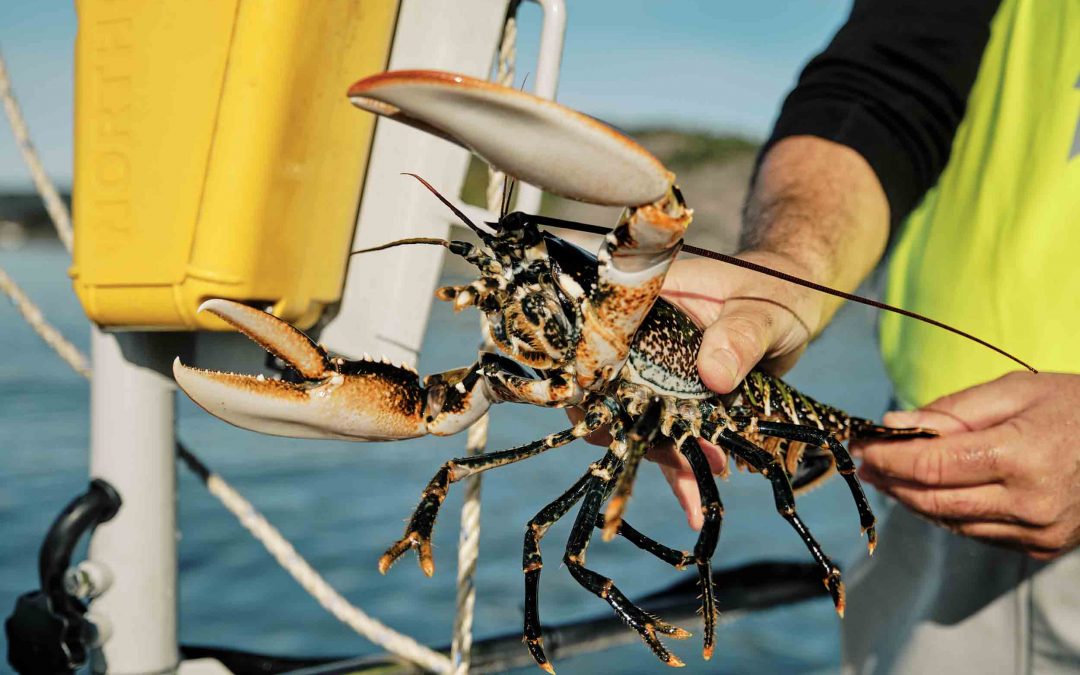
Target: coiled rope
309,579
260,528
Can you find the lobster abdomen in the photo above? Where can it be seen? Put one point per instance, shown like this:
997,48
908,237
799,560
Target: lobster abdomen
664,352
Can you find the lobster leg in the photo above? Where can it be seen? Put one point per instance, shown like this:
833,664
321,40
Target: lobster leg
532,562
557,391
844,465
418,531
616,507
602,587
713,510
770,467
642,432
677,559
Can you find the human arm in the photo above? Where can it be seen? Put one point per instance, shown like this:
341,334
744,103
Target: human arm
1006,468
875,114
816,210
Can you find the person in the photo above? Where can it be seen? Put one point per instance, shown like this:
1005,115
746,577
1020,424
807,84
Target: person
952,128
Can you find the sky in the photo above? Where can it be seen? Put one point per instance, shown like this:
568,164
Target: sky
714,65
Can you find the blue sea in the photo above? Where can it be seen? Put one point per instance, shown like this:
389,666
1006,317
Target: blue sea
341,504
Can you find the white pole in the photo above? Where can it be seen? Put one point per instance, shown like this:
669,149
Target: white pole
552,33
132,446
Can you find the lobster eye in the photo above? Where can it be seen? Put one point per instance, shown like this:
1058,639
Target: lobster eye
513,222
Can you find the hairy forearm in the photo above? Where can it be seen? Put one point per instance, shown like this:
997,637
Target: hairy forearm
819,204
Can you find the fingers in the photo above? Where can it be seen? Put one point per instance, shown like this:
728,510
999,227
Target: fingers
1005,469
599,437
679,476
964,459
718,459
987,512
685,489
747,316
1041,543
984,484
939,421
734,343
665,454
978,407
925,419
955,505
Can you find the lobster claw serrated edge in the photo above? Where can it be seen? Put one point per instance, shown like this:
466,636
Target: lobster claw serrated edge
354,400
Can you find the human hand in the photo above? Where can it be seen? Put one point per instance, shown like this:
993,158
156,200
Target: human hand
816,210
1006,468
750,319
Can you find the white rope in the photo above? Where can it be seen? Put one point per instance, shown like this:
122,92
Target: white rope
61,219
274,542
45,330
271,539
58,211
313,583
468,554
469,538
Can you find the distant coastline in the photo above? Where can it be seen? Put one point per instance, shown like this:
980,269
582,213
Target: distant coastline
713,171
23,217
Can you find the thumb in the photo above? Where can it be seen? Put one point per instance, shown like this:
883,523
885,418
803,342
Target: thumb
734,344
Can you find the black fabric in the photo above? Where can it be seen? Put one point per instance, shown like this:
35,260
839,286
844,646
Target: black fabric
893,85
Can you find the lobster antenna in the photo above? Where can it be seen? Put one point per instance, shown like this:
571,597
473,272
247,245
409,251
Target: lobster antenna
509,181
508,195
745,264
457,212
404,242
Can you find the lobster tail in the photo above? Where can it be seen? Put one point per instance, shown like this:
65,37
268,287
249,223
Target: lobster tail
863,429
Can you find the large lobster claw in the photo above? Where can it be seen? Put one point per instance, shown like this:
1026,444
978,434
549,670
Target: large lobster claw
536,140
568,153
363,400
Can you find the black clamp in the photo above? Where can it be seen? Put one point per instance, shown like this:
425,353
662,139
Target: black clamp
48,631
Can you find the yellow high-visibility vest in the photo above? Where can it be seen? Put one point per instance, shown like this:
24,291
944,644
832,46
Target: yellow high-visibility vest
994,248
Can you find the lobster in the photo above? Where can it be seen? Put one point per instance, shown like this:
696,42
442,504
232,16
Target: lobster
568,329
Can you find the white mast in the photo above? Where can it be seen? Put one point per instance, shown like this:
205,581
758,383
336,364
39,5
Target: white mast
133,447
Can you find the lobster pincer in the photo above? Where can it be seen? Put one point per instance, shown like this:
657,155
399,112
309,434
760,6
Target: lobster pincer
568,154
363,400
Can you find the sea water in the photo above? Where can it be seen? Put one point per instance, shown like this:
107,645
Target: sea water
341,504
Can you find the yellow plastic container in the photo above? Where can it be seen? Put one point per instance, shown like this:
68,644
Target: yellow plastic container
216,155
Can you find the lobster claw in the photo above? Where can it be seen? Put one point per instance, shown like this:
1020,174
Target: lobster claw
353,400
530,138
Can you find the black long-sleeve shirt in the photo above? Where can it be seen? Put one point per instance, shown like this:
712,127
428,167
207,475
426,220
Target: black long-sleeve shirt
893,85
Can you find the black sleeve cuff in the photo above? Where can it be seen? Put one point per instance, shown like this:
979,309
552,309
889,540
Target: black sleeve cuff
851,124
893,85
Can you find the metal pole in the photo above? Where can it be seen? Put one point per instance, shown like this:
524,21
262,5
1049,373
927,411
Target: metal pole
132,446
552,33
